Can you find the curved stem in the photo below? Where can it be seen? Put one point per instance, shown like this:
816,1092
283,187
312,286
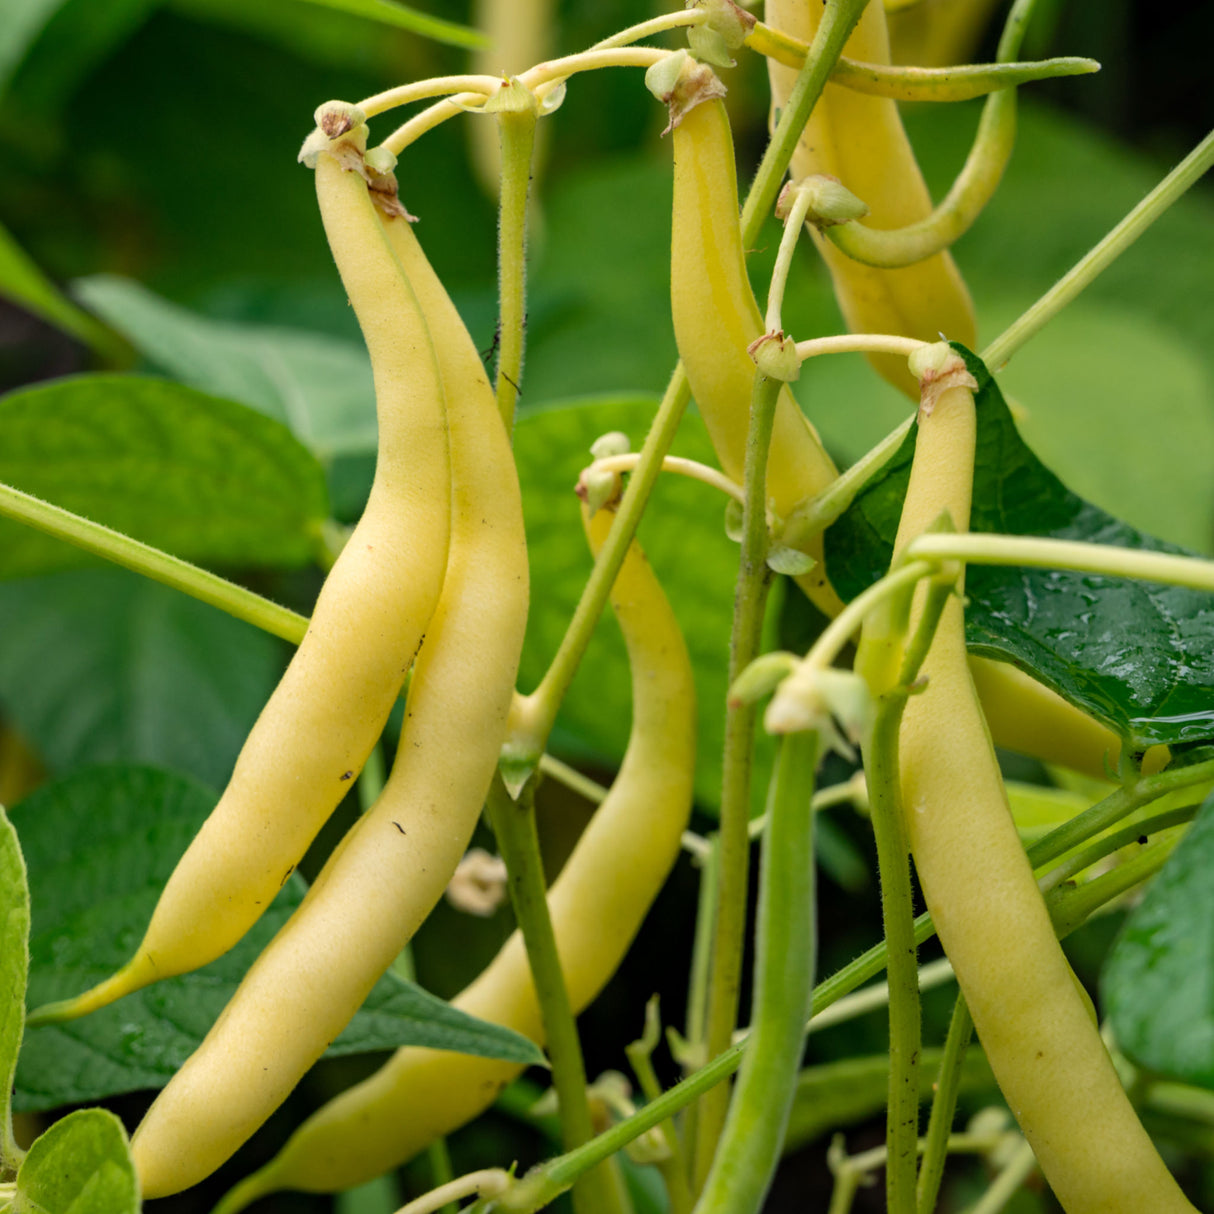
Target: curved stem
488,1182
153,563
750,599
691,468
975,184
858,343
1043,553
592,60
479,87
794,222
679,19
1102,255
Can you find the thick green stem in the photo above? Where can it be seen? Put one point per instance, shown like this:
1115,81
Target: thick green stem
745,1162
729,931
513,825
1102,255
839,18
152,563
944,1105
517,128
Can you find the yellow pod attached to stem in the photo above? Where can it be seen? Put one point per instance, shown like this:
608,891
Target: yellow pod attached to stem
860,140
597,904
387,873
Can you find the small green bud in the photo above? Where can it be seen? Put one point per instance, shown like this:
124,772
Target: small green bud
791,562
734,520
762,677
598,488
776,356
830,201
615,442
513,97
380,160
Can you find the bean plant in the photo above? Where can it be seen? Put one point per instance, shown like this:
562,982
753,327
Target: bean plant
330,800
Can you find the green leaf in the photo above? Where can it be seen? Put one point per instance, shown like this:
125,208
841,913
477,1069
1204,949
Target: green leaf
24,283
317,385
14,964
390,13
203,478
23,21
100,664
1135,655
552,446
81,1165
100,845
1157,987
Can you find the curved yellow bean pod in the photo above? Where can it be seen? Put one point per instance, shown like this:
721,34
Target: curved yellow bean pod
314,735
386,875
861,141
1042,1043
597,904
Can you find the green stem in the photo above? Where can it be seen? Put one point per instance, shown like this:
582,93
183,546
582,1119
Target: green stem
944,1105
535,714
513,825
902,83
701,952
794,223
152,563
891,249
839,18
1015,1172
744,1164
1102,255
441,1172
517,128
729,930
1042,553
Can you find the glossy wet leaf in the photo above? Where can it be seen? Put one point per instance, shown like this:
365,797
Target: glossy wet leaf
81,1165
14,962
198,476
99,665
100,845
1157,987
1135,655
316,384
684,540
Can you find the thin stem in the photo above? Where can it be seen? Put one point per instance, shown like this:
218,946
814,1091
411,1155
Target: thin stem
517,129
930,976
701,954
812,516
1183,176
858,343
851,791
794,223
152,563
480,87
839,18
1042,553
657,25
1015,1172
535,714
894,248
729,931
486,1183
513,825
944,1105
573,779
442,1174
744,1164
592,60
902,83
679,465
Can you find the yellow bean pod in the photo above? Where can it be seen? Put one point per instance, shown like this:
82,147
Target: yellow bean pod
1038,1034
860,140
314,735
385,876
716,318
597,904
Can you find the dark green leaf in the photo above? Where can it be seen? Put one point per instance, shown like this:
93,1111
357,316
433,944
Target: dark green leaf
684,537
100,845
1133,654
14,964
81,1165
101,664
1158,982
317,385
203,478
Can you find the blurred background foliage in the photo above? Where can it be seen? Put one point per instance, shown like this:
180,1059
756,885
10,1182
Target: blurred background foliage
147,164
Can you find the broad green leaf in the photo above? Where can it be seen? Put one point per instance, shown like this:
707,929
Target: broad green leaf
81,1165
23,20
100,845
203,478
317,385
24,283
390,13
14,964
684,537
100,664
1135,655
1157,987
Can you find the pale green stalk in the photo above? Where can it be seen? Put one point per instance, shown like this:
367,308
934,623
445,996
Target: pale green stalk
1184,175
944,1106
153,563
794,221
1005,1186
